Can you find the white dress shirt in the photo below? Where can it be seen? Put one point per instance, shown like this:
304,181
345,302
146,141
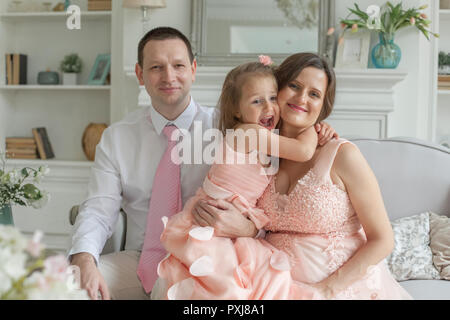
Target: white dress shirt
126,160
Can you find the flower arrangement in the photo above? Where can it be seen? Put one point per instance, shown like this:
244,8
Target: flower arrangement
388,19
71,63
26,274
16,187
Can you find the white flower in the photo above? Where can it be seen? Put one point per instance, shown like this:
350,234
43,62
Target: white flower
50,279
5,282
40,173
34,245
11,178
56,267
13,264
12,239
37,204
45,170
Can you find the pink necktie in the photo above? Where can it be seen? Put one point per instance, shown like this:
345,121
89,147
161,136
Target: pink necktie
165,201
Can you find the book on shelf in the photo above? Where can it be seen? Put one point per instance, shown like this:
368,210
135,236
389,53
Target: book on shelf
21,148
12,155
20,140
8,69
99,5
16,68
444,81
43,144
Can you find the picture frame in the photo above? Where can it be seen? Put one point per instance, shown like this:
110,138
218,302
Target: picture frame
353,50
100,70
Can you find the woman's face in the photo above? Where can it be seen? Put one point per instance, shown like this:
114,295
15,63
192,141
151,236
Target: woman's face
301,100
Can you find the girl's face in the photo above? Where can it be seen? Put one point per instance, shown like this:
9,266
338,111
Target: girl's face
258,102
301,100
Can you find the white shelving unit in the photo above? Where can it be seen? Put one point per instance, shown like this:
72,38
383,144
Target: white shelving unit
64,110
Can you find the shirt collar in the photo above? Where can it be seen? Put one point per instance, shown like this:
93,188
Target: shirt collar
183,121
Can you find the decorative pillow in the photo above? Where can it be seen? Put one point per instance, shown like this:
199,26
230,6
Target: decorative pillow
440,243
412,257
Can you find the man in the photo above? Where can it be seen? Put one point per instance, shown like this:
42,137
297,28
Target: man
126,162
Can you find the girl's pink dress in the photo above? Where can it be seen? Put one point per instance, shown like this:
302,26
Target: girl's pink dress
200,265
318,228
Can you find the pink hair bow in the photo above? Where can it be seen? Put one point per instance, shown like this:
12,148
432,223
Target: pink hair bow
265,60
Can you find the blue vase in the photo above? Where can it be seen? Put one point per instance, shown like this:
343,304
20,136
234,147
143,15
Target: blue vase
386,54
6,216
66,4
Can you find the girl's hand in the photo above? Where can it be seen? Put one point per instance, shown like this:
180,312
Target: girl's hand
325,132
324,290
224,217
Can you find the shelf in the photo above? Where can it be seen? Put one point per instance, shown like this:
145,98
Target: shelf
48,162
444,14
54,16
444,92
54,87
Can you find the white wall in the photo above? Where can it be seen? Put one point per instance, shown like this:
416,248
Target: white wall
410,117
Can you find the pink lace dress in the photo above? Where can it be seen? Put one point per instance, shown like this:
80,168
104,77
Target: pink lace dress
200,265
318,228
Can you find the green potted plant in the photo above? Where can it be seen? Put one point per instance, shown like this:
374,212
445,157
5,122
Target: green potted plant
386,20
71,65
17,186
444,62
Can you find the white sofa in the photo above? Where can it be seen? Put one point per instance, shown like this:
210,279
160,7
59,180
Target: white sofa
414,177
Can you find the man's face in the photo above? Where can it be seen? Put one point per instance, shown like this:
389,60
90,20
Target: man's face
167,75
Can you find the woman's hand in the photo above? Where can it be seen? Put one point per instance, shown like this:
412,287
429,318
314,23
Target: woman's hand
224,217
325,132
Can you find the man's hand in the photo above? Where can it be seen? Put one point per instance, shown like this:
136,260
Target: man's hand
325,132
91,279
224,217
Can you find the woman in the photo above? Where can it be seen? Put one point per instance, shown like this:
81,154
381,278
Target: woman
327,214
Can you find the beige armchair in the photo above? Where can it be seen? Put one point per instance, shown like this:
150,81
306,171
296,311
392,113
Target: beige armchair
117,240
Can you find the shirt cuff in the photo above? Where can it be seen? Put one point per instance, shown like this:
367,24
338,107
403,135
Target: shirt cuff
79,249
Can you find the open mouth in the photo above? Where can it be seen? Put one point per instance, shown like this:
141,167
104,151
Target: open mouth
268,122
297,108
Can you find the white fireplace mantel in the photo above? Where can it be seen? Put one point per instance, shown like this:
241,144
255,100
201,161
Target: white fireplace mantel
364,98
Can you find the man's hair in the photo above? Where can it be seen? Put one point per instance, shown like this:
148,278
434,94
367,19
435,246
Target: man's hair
293,65
163,33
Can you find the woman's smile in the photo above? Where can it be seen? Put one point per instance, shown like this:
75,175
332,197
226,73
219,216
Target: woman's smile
296,107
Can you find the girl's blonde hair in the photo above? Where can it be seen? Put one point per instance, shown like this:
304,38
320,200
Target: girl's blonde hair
232,91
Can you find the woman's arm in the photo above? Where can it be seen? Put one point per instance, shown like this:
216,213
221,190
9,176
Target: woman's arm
353,171
301,148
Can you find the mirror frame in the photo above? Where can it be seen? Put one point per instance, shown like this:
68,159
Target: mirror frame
198,38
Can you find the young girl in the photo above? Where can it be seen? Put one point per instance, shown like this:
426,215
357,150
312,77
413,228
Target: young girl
200,265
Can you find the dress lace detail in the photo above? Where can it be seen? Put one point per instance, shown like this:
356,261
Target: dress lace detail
315,205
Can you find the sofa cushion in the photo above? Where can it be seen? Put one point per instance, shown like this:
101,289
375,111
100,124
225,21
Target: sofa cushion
412,257
440,243
427,289
411,174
